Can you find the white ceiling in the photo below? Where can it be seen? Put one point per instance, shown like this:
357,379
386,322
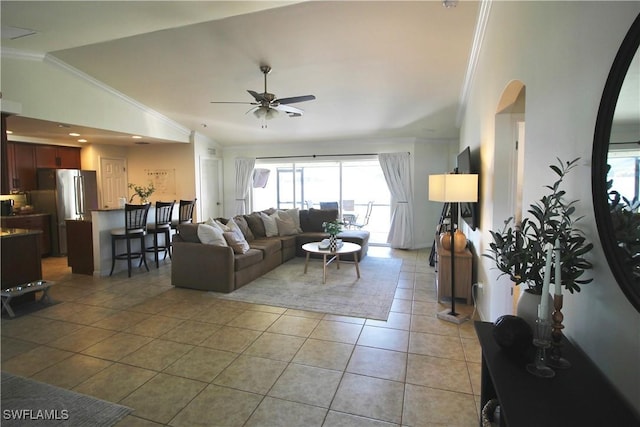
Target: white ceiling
377,69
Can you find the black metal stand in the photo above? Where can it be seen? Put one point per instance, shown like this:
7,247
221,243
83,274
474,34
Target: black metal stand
451,315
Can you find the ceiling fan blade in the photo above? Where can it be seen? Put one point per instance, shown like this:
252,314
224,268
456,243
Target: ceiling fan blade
292,111
259,97
294,99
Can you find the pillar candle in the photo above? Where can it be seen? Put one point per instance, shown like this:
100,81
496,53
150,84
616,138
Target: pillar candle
544,301
558,288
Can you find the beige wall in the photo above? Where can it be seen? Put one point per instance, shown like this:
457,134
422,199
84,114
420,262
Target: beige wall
562,52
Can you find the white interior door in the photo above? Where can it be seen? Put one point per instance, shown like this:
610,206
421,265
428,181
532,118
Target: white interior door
113,180
210,188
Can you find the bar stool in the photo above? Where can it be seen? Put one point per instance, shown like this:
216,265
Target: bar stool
135,227
185,212
164,211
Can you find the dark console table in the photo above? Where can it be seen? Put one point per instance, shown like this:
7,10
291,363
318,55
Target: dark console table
578,396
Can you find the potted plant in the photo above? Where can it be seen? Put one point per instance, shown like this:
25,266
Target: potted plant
519,250
333,228
143,193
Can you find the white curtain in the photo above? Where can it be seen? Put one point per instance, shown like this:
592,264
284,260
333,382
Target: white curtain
397,172
244,173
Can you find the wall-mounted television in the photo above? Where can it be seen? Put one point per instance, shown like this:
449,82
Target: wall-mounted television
468,211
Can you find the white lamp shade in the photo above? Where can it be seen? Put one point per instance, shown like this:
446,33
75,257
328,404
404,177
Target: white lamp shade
453,188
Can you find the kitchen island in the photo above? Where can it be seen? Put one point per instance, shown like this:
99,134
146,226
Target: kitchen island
102,222
21,259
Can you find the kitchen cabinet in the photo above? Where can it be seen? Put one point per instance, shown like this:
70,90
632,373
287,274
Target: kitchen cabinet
40,222
20,257
80,246
57,157
23,159
21,164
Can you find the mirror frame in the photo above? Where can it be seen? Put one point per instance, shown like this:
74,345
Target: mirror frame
602,136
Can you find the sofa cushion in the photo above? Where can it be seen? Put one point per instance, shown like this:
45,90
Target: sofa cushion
270,226
188,232
247,259
236,240
311,220
255,224
241,221
267,245
210,235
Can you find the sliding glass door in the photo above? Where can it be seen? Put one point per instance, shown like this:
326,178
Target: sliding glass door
357,188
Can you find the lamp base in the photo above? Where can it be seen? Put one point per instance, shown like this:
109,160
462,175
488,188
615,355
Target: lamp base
449,316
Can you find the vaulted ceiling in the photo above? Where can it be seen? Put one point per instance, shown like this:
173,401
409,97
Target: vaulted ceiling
377,69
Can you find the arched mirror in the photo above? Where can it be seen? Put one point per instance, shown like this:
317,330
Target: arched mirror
616,167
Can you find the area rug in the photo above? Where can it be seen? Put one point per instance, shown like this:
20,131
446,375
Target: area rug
343,294
26,402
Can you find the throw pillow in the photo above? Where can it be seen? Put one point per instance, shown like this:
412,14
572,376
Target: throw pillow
294,214
286,226
244,227
189,232
319,216
215,223
210,235
270,225
236,240
256,224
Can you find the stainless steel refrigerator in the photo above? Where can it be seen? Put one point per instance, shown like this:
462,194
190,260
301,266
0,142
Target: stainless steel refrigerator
65,194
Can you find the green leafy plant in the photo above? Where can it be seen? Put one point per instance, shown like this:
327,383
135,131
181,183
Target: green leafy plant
332,227
519,250
142,192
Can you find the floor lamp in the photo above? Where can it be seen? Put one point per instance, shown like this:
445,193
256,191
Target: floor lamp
453,189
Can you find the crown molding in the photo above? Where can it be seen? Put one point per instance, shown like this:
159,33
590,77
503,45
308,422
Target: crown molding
478,38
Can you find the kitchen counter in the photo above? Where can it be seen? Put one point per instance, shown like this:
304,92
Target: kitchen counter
25,215
32,221
17,232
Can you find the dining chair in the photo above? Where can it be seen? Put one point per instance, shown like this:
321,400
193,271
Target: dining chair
162,225
365,221
135,228
185,212
329,205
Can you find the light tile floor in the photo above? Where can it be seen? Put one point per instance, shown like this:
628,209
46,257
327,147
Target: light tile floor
182,357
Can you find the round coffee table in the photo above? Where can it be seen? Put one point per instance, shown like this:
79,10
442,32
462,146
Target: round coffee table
346,248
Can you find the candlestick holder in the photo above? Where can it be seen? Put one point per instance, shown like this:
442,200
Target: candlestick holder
542,341
555,352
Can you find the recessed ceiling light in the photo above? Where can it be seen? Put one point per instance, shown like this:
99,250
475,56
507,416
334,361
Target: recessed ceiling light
62,125
136,137
82,140
74,134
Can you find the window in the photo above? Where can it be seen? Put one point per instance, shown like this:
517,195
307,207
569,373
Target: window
625,173
351,184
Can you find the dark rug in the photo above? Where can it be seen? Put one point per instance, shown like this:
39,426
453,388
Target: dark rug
27,307
26,402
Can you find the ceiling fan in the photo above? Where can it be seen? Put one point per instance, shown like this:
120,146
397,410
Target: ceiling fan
267,105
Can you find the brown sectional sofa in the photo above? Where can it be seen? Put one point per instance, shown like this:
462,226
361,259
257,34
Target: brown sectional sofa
207,267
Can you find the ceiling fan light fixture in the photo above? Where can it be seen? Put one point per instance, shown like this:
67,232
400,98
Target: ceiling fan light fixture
271,113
